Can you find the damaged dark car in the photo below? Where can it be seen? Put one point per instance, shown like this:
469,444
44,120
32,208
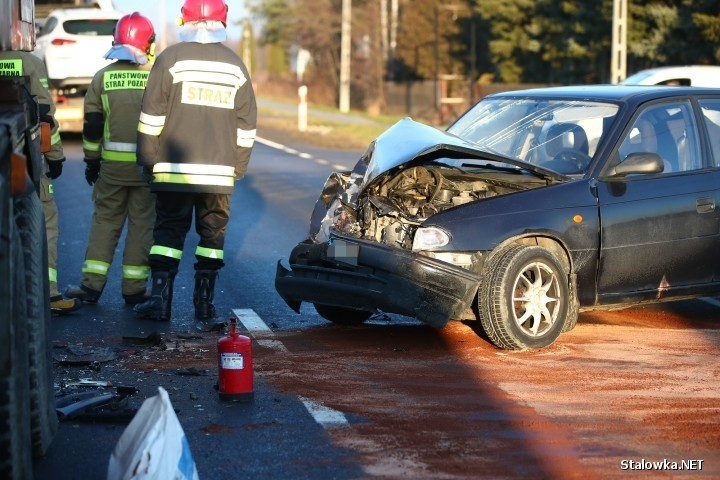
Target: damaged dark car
533,206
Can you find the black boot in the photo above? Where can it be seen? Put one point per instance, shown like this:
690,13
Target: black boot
158,307
83,293
204,293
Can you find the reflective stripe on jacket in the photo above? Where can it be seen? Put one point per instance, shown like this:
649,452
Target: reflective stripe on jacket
112,112
198,120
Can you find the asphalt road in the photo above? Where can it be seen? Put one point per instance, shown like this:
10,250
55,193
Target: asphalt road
270,211
628,394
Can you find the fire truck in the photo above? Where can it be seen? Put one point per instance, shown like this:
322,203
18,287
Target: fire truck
28,421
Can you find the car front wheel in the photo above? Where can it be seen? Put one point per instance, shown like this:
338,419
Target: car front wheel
524,298
342,315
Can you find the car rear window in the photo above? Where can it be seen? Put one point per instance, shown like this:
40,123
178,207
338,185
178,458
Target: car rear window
93,27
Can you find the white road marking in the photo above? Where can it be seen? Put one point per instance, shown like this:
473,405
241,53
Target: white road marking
273,345
269,143
251,320
325,416
257,328
303,155
711,301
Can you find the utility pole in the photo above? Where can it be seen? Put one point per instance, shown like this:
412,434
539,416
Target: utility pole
393,25
345,56
618,54
436,58
384,29
247,45
163,25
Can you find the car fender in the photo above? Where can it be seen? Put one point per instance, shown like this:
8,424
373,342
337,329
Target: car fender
567,213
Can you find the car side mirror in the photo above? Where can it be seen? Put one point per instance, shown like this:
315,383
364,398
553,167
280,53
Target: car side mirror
638,163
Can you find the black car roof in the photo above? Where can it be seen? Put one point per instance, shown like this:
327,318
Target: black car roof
610,93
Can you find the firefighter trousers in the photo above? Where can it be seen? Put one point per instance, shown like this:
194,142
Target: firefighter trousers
174,219
114,204
50,210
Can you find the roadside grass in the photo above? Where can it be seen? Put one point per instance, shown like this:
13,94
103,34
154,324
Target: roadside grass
282,126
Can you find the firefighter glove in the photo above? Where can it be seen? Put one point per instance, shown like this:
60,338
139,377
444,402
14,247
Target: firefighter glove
55,168
146,174
92,170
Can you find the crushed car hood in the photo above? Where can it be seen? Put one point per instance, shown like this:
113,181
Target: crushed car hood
409,142
404,177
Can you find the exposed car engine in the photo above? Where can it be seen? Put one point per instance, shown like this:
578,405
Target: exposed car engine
392,208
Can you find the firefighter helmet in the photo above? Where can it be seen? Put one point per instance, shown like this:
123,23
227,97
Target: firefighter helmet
136,30
204,10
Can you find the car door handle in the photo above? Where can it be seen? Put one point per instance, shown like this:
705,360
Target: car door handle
705,205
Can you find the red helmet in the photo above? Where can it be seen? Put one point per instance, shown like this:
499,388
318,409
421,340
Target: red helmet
202,10
135,30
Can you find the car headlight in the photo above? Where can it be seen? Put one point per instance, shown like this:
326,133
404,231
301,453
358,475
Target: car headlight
429,238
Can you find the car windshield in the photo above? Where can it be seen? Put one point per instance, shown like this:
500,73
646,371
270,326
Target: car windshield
92,27
558,134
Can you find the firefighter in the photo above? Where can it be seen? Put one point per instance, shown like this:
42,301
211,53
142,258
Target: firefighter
20,63
112,110
196,132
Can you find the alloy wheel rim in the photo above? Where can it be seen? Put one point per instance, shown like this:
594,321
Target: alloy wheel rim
536,301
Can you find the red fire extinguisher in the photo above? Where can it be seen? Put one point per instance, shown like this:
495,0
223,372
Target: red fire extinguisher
235,365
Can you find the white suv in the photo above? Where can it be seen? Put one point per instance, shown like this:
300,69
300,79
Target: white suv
72,42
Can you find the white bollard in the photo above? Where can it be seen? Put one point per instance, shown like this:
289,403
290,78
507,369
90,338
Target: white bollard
302,108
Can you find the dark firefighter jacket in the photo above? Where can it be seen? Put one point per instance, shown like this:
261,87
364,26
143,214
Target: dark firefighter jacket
112,111
198,119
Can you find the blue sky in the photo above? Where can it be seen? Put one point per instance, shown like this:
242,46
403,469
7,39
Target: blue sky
154,11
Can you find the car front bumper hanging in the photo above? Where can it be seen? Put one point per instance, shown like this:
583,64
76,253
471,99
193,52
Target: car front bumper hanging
360,274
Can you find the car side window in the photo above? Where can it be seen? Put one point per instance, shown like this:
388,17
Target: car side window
711,114
670,131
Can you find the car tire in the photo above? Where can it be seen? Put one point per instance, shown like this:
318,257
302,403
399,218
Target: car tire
342,315
15,442
30,221
573,311
523,300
